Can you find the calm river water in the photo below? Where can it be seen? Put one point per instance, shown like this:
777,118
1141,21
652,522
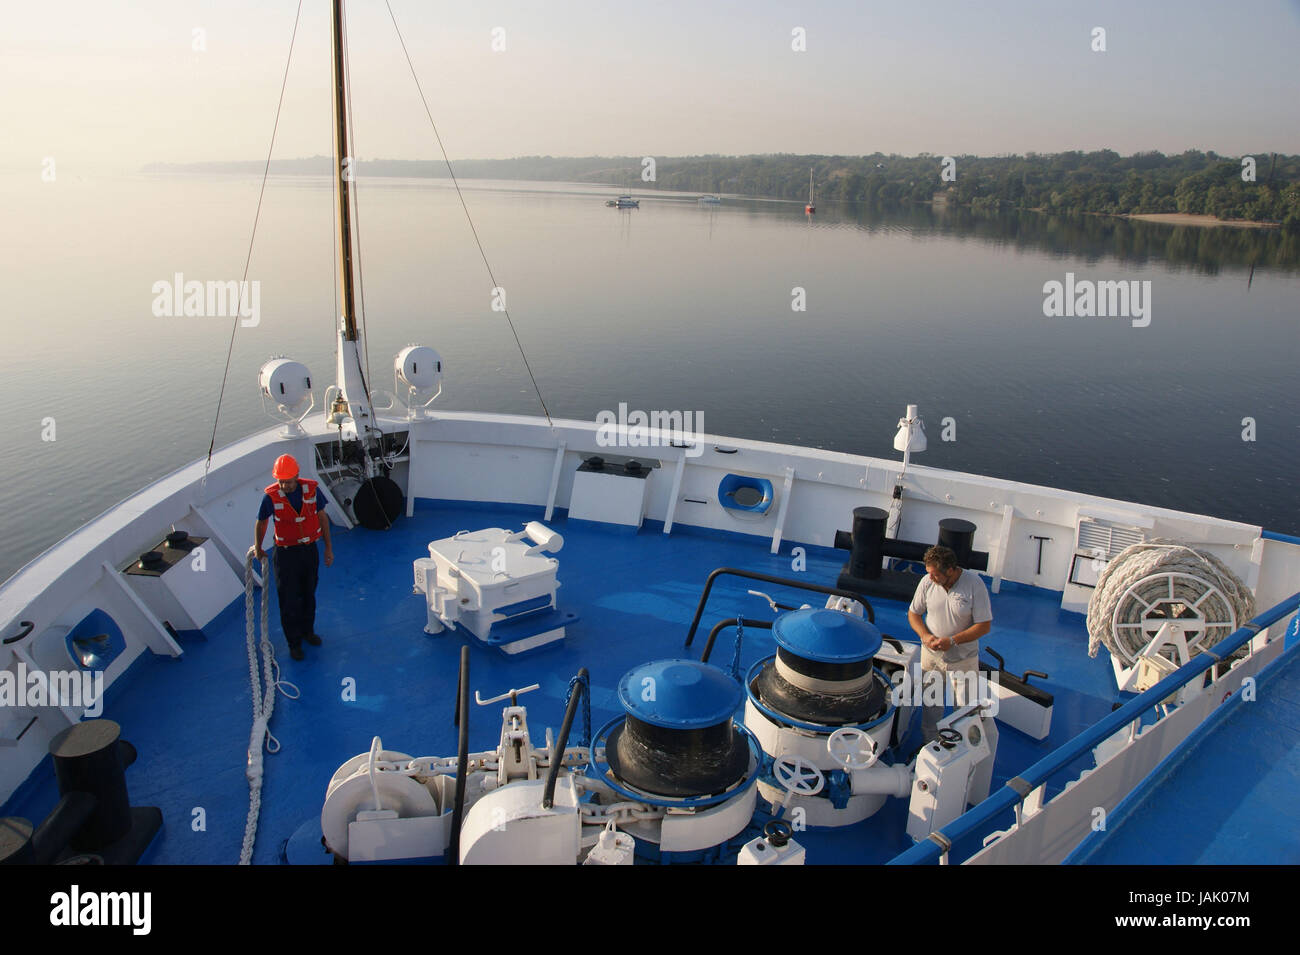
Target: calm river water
672,306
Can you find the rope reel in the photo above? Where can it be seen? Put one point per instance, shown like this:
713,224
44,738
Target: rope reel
1149,584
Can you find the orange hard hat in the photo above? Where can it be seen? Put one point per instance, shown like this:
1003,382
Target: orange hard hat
285,468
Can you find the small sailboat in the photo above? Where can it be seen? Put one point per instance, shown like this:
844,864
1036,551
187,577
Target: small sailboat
810,208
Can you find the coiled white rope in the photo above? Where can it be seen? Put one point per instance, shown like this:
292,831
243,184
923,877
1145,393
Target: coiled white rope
1201,574
263,699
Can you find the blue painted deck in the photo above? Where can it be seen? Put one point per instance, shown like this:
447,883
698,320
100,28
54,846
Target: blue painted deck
1225,795
635,594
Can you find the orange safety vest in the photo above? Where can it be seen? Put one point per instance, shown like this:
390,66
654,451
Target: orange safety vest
290,526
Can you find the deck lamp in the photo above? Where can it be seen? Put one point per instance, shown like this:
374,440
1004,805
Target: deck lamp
286,385
910,438
419,369
911,434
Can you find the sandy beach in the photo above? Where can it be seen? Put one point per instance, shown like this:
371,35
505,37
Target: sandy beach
1180,218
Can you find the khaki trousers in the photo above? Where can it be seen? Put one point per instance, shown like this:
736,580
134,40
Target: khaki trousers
959,686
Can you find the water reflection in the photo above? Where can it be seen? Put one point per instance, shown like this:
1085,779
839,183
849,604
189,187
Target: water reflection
1094,238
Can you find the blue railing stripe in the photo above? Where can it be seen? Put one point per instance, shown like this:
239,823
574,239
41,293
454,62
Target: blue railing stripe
1275,536
1006,798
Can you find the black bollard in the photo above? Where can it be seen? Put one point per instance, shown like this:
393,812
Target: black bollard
868,546
87,758
16,842
865,543
959,537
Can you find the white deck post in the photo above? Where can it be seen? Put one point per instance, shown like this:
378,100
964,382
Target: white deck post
555,480
781,510
1004,543
674,494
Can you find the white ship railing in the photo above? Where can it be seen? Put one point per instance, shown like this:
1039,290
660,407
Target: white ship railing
1045,834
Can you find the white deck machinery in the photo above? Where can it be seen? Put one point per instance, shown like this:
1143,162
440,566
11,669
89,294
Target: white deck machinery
829,719
498,585
673,779
949,774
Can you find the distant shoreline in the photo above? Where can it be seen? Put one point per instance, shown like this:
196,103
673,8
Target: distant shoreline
1183,218
1072,183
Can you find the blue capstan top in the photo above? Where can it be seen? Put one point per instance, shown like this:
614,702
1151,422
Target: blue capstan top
826,636
679,694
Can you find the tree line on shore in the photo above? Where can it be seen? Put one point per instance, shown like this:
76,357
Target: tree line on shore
1193,182
1258,186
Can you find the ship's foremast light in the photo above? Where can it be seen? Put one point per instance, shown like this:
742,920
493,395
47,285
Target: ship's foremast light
910,438
286,387
911,434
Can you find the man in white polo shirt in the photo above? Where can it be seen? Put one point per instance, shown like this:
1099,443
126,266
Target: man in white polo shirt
950,612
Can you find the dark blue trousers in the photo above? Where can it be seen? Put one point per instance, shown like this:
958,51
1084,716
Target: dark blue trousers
296,569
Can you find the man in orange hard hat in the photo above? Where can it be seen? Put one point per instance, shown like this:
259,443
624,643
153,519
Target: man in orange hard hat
300,521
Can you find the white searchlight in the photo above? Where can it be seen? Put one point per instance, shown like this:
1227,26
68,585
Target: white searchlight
286,385
417,374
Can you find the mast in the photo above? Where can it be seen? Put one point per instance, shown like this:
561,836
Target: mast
349,409
342,177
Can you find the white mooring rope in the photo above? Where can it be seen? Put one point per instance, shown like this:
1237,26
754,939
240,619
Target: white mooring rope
263,699
1220,595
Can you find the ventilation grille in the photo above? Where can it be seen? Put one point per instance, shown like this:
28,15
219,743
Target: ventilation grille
1109,538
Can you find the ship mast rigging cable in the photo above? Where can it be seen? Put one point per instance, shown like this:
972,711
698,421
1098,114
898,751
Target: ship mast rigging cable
243,284
452,173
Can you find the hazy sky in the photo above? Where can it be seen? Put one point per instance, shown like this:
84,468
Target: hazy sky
99,83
